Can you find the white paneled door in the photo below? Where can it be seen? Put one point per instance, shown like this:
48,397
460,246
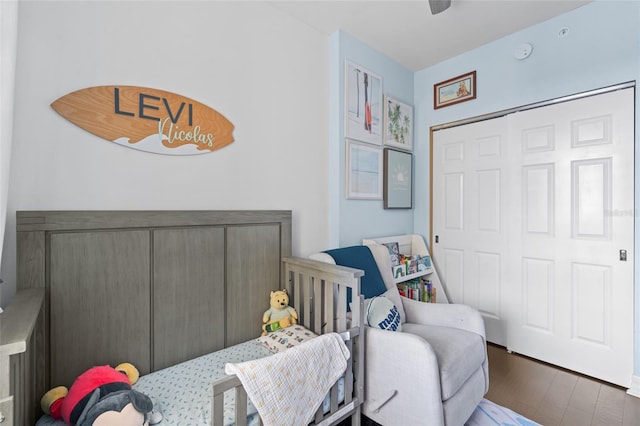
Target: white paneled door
533,214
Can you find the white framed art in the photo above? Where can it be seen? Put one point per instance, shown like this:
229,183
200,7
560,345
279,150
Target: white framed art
363,171
398,124
363,104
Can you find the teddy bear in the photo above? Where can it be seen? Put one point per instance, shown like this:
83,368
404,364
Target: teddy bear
100,396
280,314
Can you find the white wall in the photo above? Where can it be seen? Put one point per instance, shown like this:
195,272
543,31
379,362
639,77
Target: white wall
264,71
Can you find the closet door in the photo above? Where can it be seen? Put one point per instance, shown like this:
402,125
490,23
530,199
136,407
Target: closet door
543,233
188,293
573,248
471,184
253,271
98,278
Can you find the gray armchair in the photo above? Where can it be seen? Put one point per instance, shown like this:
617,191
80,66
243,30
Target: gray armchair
434,371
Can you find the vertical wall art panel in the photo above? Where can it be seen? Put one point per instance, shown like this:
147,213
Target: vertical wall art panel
363,104
398,179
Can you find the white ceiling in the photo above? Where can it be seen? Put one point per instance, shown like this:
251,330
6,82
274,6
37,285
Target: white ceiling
407,32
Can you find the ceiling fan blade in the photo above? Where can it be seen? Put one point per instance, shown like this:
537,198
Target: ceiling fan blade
438,6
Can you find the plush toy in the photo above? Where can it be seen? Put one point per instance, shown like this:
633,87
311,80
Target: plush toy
101,396
276,325
280,314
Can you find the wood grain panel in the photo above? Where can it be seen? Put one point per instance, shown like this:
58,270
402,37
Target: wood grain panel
253,271
113,270
58,220
31,259
189,298
134,113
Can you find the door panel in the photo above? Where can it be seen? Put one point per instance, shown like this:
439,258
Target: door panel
590,165
469,207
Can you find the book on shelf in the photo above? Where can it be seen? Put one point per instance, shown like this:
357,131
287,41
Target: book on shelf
402,265
418,289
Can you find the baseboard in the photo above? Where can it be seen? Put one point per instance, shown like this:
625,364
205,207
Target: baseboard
634,390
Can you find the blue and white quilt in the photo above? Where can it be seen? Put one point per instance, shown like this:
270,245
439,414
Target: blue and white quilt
183,392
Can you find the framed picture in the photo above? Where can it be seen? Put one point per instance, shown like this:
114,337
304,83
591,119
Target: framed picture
364,171
398,183
363,104
398,124
458,89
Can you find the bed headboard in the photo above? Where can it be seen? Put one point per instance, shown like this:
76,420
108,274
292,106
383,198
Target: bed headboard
152,288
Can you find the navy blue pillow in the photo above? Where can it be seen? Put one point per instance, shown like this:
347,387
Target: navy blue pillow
360,257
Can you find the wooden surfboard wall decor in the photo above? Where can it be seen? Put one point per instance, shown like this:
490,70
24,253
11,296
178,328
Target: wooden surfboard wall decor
147,119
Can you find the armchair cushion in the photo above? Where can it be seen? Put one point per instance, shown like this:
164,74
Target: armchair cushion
459,352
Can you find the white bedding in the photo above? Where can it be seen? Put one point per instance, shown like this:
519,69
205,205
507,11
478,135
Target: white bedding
299,379
183,392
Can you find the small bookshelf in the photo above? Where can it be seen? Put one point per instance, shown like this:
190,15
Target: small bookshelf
413,245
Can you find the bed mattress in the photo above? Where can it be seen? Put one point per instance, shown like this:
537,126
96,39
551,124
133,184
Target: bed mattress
183,392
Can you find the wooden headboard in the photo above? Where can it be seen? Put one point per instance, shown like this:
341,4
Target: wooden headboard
153,288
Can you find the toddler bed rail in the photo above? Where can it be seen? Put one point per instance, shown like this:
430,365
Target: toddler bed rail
21,336
321,294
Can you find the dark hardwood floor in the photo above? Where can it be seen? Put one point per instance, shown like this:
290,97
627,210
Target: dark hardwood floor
553,396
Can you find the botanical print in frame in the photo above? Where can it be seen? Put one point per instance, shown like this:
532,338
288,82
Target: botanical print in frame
398,124
363,171
453,91
398,183
363,104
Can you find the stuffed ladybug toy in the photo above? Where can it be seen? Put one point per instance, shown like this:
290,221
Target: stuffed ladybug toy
101,396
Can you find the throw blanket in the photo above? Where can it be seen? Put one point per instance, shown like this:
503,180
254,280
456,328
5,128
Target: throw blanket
288,387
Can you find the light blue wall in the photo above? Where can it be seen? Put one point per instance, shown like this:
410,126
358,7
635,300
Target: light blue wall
352,220
601,49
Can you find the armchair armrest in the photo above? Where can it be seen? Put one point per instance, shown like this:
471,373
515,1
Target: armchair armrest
402,377
448,315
